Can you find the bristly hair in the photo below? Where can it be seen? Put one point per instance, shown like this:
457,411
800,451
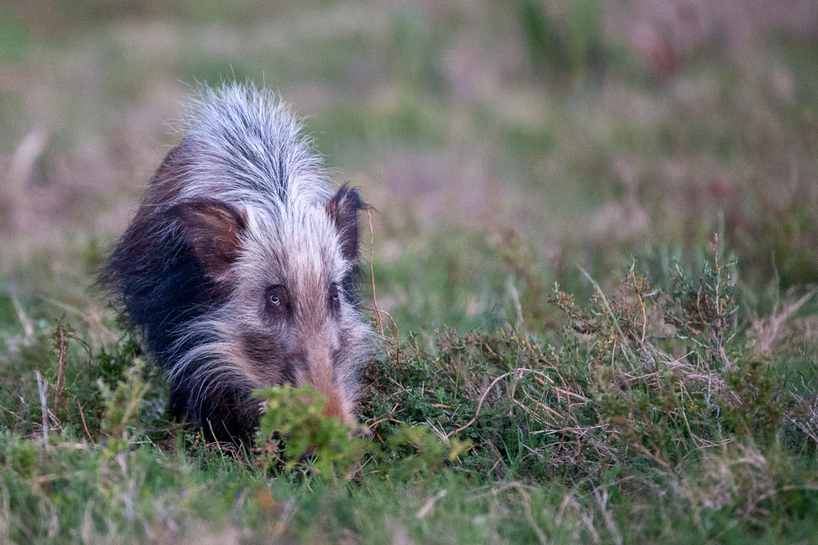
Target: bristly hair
251,137
240,209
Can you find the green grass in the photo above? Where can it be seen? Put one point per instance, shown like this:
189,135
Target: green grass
650,416
573,356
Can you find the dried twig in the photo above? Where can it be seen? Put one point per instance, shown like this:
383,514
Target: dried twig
516,373
84,425
372,270
42,387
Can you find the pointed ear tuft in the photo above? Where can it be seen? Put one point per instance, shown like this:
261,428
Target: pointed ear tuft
212,229
343,209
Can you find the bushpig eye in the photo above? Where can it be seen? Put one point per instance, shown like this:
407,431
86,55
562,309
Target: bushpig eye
276,299
334,299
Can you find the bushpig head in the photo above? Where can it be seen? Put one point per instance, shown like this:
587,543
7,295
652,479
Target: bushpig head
286,280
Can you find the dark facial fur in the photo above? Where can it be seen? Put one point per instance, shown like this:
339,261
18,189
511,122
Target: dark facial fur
240,266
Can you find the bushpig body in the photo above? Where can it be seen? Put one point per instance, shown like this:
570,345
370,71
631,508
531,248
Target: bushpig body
240,266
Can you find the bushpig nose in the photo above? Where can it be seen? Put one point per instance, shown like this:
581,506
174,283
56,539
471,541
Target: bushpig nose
320,363
335,407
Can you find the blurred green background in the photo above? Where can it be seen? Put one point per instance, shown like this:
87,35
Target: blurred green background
504,144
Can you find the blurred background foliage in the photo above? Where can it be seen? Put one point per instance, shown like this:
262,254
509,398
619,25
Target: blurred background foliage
503,144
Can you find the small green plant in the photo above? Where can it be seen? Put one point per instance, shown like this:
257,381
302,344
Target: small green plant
415,450
293,429
293,432
122,406
707,306
760,403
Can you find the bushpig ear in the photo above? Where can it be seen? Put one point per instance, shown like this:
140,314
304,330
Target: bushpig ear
343,210
212,229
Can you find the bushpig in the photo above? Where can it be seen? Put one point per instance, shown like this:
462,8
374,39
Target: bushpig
240,267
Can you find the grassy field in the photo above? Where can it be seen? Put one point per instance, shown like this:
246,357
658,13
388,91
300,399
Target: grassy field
596,237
